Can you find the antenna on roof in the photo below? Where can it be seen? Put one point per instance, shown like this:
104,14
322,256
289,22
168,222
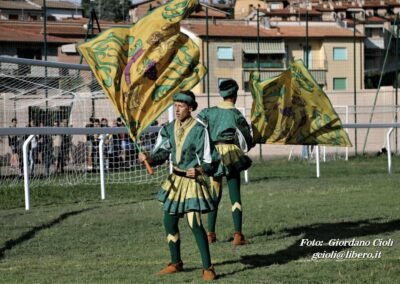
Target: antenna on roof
89,26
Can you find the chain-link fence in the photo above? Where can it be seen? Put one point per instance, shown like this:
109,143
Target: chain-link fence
45,94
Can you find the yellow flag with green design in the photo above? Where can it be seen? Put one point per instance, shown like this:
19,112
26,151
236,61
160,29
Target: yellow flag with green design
140,67
292,109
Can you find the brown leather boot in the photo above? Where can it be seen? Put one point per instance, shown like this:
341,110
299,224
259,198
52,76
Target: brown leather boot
212,237
171,268
209,274
238,239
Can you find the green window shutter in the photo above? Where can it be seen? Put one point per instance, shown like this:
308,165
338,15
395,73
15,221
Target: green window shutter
339,84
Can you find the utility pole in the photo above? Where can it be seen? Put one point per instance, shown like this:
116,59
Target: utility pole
90,30
307,48
354,11
45,51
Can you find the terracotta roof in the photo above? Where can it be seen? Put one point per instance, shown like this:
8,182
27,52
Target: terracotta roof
373,4
288,12
56,4
218,30
211,13
248,31
375,19
83,21
17,5
68,30
56,25
57,31
317,32
10,34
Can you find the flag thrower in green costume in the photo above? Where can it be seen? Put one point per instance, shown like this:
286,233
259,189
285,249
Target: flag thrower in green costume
140,67
292,109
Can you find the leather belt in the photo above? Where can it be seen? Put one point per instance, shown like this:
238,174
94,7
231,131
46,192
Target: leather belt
224,142
181,173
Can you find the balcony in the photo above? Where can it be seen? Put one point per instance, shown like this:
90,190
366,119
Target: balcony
318,69
264,65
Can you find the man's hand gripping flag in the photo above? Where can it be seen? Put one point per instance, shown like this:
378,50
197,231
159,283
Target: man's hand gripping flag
140,67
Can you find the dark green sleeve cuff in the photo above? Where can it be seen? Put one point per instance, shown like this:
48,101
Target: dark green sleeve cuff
159,158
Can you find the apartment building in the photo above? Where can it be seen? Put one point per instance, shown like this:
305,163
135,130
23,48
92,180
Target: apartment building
233,52
32,10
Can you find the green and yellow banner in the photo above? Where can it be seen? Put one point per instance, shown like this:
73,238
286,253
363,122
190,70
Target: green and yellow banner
292,109
140,67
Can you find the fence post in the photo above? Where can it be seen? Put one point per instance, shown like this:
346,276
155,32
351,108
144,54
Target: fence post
389,150
102,181
26,171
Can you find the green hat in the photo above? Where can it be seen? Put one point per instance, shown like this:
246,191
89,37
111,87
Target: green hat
228,88
186,97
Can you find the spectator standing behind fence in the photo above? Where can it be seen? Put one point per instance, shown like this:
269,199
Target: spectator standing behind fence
107,143
56,146
115,148
15,143
89,145
96,141
124,142
64,151
47,151
40,146
33,150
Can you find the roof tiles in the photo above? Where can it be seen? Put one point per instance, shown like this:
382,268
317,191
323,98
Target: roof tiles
218,30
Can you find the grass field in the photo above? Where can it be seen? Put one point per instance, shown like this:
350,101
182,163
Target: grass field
71,236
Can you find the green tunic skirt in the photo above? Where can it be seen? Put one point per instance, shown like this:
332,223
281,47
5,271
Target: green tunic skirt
180,195
233,160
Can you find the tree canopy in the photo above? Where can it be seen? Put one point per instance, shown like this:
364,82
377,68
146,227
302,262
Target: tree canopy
112,10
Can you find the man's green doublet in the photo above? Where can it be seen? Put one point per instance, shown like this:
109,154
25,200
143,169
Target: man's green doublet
230,133
190,147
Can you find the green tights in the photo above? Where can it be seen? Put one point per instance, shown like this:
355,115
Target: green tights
171,223
234,194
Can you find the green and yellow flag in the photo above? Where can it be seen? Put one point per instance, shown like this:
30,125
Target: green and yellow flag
140,67
292,109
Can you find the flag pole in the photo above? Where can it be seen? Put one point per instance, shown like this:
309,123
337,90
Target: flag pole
149,169
258,60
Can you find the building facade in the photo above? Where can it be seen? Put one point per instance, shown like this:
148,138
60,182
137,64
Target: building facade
234,51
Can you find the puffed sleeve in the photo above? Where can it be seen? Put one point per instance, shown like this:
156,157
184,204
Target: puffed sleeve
206,153
162,149
202,116
243,134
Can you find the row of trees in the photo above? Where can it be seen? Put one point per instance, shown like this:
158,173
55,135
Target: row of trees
113,10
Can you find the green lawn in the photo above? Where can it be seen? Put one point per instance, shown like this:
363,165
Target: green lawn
70,235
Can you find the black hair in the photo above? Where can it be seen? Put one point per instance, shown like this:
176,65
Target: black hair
227,84
191,94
